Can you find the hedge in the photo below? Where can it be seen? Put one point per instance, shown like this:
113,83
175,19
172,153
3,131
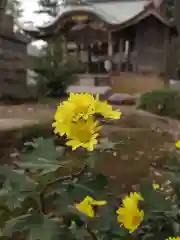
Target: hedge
164,102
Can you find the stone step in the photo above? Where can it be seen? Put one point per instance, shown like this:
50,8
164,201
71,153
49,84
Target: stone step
104,91
123,99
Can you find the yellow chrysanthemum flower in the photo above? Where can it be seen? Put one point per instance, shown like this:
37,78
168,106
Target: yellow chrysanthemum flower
129,215
173,238
178,144
156,186
63,118
83,134
74,119
87,206
78,106
84,105
106,110
135,197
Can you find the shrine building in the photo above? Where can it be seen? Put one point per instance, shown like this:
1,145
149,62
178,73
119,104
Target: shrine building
124,44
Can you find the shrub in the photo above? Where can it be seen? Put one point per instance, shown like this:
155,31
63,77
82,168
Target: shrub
162,102
55,70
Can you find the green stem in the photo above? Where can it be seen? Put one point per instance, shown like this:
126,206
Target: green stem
91,233
58,180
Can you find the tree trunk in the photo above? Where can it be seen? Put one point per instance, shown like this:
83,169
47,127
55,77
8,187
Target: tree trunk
176,14
3,4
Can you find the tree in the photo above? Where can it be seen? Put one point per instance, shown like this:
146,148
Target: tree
14,7
56,71
50,7
3,4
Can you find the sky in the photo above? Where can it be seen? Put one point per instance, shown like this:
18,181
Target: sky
29,7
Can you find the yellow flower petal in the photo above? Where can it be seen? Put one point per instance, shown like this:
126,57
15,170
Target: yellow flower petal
83,134
98,203
87,206
86,209
178,144
129,215
156,186
173,238
106,110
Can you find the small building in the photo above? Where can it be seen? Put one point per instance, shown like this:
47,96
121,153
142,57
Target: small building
121,43
13,58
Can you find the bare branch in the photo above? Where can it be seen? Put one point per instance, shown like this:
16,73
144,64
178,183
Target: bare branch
59,180
91,233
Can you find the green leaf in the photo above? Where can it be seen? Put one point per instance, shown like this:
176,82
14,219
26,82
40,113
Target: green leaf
76,192
16,187
107,223
80,233
13,196
16,224
17,178
40,164
39,226
174,178
105,144
92,185
97,182
45,152
153,200
45,230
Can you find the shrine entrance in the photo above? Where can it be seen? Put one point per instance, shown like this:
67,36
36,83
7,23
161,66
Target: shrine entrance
90,39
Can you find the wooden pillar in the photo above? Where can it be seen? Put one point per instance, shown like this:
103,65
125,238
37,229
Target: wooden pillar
121,40
79,53
65,48
110,51
166,52
127,49
98,62
89,57
137,48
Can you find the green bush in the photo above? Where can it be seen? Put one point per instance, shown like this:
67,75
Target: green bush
55,69
162,102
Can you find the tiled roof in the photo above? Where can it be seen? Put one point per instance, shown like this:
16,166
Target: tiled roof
113,12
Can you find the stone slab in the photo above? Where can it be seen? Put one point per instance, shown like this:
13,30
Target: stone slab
123,99
102,90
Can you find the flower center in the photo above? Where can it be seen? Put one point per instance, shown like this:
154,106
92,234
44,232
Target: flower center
136,220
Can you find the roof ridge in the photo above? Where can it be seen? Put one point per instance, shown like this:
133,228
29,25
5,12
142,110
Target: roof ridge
102,11
118,1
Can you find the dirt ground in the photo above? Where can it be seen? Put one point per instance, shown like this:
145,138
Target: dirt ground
37,111
28,111
143,139
15,116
